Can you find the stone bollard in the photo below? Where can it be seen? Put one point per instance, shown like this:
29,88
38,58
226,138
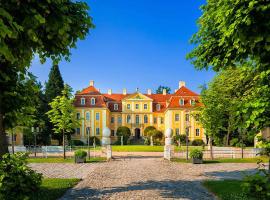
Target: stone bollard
168,148
106,143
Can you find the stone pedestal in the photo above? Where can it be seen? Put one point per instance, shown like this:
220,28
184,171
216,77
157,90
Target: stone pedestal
106,144
168,148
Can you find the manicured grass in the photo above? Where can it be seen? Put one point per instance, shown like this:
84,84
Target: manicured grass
53,188
61,160
225,160
227,189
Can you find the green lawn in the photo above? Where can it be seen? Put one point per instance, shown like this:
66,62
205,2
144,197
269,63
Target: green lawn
225,160
227,189
53,188
61,160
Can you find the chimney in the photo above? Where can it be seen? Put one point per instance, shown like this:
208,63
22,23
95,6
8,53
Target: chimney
182,83
124,91
109,91
91,83
175,90
149,92
164,91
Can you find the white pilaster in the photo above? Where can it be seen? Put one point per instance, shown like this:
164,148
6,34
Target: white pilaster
83,123
92,122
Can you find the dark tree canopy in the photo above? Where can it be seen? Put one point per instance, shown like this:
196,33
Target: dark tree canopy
160,89
230,32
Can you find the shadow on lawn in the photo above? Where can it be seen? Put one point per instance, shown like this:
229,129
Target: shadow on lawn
137,190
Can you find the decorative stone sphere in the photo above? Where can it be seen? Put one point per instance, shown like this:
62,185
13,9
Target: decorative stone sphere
168,133
106,132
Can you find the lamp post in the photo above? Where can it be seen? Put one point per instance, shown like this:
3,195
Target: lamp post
187,133
88,141
35,131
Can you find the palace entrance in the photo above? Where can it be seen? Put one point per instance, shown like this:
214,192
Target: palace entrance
137,133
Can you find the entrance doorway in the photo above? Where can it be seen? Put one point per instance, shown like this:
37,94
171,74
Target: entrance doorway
137,133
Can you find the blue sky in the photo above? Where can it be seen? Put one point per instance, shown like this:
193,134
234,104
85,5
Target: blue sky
140,43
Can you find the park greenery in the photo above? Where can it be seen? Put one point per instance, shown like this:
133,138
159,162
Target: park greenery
123,132
47,29
63,115
161,88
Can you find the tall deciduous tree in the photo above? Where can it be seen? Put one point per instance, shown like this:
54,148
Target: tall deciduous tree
48,29
63,115
160,89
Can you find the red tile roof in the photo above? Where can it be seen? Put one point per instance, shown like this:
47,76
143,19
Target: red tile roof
183,91
90,90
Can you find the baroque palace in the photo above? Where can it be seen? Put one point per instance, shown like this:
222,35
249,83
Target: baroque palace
137,111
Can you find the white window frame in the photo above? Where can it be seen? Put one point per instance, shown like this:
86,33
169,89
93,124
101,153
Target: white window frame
145,119
128,119
78,132
82,101
158,107
128,106
93,101
115,106
87,116
112,119
199,132
97,116
119,119
137,119
145,106
97,131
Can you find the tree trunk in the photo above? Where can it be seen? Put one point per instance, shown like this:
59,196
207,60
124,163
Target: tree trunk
64,145
228,137
12,140
3,137
211,148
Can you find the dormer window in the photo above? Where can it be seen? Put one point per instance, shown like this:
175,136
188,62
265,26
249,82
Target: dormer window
82,101
158,107
181,102
192,102
115,106
93,101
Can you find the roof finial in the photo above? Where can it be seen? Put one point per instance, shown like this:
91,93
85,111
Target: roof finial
137,89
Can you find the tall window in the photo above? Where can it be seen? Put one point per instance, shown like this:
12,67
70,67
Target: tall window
128,119
145,106
115,106
176,117
78,131
137,119
93,101
78,115
161,120
187,117
119,119
197,132
181,102
97,116
87,116
97,131
155,120
145,118
112,120
112,132
137,106
158,107
82,101
177,131
128,106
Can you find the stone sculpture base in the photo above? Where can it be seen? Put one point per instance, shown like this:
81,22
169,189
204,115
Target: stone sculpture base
168,152
106,152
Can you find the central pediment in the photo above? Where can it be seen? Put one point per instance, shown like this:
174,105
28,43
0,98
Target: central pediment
137,97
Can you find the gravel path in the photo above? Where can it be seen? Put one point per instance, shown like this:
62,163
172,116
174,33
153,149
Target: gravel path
145,178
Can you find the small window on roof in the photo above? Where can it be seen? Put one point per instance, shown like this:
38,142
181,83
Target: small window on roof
93,101
158,106
192,102
115,106
181,102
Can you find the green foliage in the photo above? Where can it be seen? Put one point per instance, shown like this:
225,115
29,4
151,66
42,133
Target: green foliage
197,142
160,89
257,185
80,153
123,131
196,153
147,129
156,135
17,180
231,32
76,143
182,138
97,140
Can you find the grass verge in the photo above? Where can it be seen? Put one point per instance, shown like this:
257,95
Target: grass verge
61,160
53,188
225,160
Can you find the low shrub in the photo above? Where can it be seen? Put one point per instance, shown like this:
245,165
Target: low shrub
17,180
147,141
91,140
181,137
196,153
80,154
197,142
123,131
76,143
157,137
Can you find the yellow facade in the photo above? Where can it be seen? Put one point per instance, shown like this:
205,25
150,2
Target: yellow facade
136,111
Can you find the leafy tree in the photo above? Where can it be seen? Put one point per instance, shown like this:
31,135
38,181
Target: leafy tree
147,129
160,89
63,114
53,88
230,32
156,135
48,29
123,131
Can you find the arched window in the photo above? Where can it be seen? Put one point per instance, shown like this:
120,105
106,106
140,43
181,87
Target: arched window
93,101
181,102
158,107
87,116
128,119
145,118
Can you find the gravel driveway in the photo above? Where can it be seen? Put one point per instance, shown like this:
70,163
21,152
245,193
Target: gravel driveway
141,178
